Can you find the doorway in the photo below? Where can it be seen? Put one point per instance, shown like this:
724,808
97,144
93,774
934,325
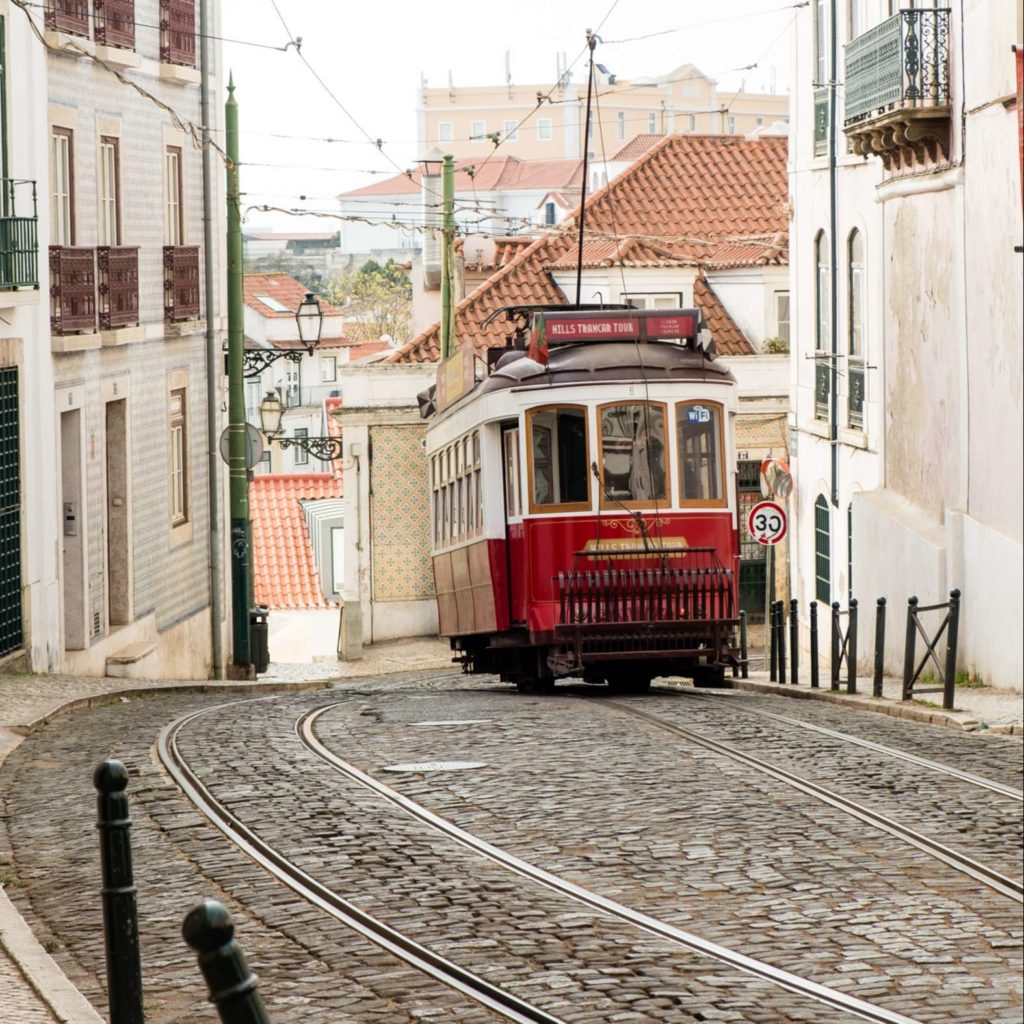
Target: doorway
73,526
118,562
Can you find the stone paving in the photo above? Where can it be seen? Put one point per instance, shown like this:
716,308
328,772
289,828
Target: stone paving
28,702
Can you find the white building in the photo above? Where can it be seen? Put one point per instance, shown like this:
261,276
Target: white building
908,459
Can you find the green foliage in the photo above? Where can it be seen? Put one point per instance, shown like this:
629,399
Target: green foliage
970,680
381,297
775,346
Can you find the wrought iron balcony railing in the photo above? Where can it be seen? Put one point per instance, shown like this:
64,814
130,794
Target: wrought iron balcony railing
855,399
821,121
115,23
71,16
822,387
118,287
897,85
19,243
181,282
72,290
178,32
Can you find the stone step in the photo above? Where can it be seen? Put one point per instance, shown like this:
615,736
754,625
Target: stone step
129,660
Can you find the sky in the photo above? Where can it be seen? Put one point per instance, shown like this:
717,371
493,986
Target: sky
370,57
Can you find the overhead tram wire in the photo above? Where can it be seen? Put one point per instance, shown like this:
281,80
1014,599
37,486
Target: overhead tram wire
704,24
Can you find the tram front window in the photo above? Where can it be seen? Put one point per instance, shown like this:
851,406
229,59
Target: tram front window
633,453
700,446
558,450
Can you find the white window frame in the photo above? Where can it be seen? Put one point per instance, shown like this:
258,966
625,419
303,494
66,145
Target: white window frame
444,131
174,220
328,363
62,215
544,129
620,124
652,122
510,130
108,179
477,129
301,456
177,411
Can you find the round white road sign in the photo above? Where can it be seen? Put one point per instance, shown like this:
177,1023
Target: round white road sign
767,522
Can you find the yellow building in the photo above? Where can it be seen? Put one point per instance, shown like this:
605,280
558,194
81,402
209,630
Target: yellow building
536,122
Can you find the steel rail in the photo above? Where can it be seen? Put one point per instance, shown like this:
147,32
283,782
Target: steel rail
833,998
1005,886
399,945
935,766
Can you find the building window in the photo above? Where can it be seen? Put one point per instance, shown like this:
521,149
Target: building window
701,469
301,455
753,556
328,369
177,408
62,205
620,124
110,191
821,42
856,18
782,316
559,459
758,122
822,567
544,132
444,131
654,300
550,214
693,122
477,130
822,366
731,124
652,123
633,454
173,218
511,131
855,340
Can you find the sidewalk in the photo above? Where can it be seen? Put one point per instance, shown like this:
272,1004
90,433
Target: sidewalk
34,989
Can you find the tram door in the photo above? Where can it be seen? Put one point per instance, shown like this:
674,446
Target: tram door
515,547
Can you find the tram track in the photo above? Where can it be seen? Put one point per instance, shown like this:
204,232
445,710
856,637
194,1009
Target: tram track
415,955
901,755
1009,887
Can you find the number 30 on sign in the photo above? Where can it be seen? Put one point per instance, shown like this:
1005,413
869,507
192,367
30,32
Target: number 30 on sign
767,522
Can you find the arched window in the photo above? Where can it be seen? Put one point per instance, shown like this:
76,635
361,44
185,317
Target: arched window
855,329
822,310
822,563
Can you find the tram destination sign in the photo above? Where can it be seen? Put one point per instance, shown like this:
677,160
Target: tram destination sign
626,325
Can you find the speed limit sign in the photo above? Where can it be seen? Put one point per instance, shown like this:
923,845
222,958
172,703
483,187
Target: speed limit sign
767,522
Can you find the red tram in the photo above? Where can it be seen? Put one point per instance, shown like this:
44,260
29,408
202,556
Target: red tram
583,506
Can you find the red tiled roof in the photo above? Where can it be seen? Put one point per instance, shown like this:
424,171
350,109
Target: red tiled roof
686,197
281,287
506,249
284,572
294,343
636,147
506,173
368,348
629,252
745,254
728,338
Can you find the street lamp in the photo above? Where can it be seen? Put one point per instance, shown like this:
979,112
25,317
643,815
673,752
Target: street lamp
309,318
326,449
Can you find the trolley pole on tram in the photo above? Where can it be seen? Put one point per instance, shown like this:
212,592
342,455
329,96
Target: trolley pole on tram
237,471
447,255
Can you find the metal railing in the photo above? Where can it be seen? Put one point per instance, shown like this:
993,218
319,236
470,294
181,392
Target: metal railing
118,288
70,16
178,32
310,396
115,23
181,282
19,241
72,290
901,62
945,671
821,121
855,399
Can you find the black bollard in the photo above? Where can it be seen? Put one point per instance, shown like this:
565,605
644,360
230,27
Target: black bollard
120,919
851,648
780,620
745,667
837,632
794,640
908,649
209,931
876,687
814,645
952,636
772,640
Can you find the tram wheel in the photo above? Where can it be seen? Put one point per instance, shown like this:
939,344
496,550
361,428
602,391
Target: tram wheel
709,675
628,683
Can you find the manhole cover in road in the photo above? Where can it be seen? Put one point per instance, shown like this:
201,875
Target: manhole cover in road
456,721
434,766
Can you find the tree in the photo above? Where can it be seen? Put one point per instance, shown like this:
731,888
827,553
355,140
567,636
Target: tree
379,296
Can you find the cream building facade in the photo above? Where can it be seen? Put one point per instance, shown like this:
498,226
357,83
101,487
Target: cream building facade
908,459
467,121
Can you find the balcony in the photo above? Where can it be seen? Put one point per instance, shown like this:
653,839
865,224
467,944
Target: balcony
178,32
19,244
821,121
118,288
897,89
115,23
855,403
181,283
72,290
71,16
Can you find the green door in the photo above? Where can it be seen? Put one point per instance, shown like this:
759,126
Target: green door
10,513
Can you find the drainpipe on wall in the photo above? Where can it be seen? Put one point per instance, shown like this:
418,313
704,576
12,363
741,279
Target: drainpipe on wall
833,258
212,351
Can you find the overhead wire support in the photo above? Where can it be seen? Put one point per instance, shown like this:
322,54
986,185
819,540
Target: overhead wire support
591,44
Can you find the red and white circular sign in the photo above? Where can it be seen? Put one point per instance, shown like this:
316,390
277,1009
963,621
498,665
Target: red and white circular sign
767,522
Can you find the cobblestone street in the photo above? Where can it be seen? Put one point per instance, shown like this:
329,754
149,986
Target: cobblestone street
688,837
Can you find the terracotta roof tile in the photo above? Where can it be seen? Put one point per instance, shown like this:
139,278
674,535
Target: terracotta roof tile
286,290
284,572
636,147
684,198
729,339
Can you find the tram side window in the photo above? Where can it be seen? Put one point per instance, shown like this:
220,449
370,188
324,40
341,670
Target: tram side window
633,452
699,426
559,458
513,504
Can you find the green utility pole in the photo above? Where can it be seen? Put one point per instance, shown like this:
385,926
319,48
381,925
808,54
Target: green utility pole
237,470
447,256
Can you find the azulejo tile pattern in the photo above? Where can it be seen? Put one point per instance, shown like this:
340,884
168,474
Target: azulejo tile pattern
400,531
